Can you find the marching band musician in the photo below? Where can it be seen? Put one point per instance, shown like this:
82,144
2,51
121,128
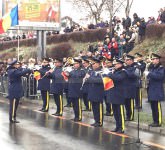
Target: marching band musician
141,66
96,92
116,95
155,89
131,82
68,100
44,84
74,84
15,89
57,85
87,68
109,110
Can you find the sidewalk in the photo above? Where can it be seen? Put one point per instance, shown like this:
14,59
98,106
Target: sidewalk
133,124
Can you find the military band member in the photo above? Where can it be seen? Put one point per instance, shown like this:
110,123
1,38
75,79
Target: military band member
96,92
116,95
87,68
109,110
155,89
15,89
141,65
57,85
131,82
44,84
74,84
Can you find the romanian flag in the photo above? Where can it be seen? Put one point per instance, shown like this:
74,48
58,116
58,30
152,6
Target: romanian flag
64,76
108,83
10,19
37,75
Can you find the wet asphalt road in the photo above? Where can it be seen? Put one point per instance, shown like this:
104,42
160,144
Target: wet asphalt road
42,131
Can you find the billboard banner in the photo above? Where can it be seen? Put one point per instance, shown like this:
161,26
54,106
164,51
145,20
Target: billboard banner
35,12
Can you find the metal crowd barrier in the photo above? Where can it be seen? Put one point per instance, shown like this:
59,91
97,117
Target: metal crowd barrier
4,85
29,86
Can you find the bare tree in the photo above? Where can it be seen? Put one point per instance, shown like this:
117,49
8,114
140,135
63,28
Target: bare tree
128,7
93,8
114,6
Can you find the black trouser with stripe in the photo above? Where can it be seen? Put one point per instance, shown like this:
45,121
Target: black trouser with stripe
87,103
129,106
58,98
97,108
77,108
138,98
68,99
156,112
45,98
108,106
118,111
13,108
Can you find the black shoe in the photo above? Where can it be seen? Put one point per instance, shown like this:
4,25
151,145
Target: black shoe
115,130
44,110
107,114
120,131
57,114
68,105
77,120
41,109
16,121
96,124
154,125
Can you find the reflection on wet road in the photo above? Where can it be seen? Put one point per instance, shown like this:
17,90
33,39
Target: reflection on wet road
41,131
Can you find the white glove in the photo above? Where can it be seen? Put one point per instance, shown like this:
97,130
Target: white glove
106,71
69,69
87,76
146,73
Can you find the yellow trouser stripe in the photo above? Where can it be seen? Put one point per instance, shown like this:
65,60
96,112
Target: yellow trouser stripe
122,117
89,105
140,97
61,105
13,108
111,109
47,100
80,109
101,113
132,109
160,113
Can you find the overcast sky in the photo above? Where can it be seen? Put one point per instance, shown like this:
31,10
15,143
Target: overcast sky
144,8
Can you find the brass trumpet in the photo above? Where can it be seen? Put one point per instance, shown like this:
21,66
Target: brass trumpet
69,61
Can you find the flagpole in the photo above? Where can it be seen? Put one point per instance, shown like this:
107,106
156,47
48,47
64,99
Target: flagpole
18,51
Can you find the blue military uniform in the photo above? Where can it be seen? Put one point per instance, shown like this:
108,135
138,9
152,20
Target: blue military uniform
96,94
87,102
44,86
74,90
15,89
155,89
131,84
141,65
116,96
56,88
68,100
109,110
